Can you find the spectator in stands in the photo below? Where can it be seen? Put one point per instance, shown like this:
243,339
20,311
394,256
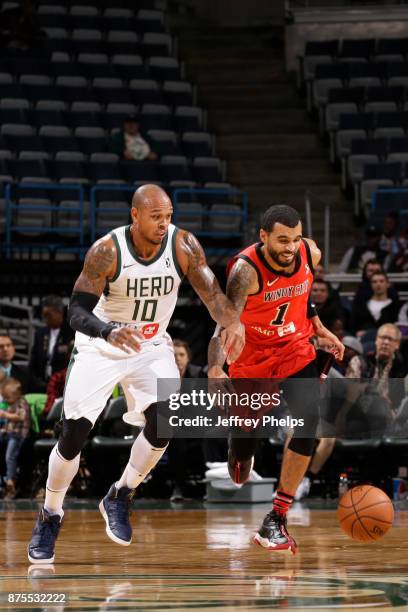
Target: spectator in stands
56,384
15,429
378,309
402,321
383,394
399,262
182,355
28,381
184,454
328,307
353,364
355,257
337,328
364,291
390,241
48,354
129,142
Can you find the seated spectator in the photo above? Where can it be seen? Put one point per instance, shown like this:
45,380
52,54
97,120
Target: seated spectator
378,309
56,384
399,262
355,257
402,321
337,328
364,290
129,142
182,355
185,456
328,307
48,354
390,241
28,381
16,427
372,404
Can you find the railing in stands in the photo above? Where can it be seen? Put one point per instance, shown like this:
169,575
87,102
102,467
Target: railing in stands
309,197
17,320
99,220
52,228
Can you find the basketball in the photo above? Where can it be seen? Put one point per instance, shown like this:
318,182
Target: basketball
365,513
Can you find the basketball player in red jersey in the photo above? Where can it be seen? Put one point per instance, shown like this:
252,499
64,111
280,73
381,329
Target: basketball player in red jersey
269,283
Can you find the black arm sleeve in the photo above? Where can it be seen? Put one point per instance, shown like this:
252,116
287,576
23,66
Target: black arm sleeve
82,319
311,309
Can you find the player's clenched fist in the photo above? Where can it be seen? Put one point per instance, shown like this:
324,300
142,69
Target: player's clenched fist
125,338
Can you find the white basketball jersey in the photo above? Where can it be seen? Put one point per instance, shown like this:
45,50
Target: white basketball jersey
142,293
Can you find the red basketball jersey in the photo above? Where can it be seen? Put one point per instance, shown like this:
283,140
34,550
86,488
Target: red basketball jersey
277,329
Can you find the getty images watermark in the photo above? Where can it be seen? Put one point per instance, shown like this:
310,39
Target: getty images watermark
210,402
201,408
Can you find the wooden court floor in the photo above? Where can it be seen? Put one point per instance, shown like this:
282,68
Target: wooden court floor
183,559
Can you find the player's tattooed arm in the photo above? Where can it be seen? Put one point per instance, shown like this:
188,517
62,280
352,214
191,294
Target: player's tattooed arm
242,281
99,266
314,251
193,263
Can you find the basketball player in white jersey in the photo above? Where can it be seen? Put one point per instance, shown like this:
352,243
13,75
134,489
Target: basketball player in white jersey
120,308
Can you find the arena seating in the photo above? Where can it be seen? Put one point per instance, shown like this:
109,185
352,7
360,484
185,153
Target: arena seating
359,88
60,105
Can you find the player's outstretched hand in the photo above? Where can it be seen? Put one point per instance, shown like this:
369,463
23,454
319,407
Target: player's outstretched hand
331,343
233,340
126,338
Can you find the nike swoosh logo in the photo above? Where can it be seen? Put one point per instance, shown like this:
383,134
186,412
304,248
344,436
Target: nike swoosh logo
270,283
128,266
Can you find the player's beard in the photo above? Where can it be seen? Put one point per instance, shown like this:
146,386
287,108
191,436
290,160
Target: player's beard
276,257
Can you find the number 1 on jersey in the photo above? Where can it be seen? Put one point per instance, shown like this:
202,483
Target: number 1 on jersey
280,314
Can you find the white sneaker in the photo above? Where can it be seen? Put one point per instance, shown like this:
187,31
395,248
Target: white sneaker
303,489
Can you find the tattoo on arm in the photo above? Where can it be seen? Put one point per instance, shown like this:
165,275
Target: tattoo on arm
97,268
240,282
195,253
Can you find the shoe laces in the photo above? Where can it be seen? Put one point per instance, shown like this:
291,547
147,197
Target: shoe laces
122,506
277,517
48,530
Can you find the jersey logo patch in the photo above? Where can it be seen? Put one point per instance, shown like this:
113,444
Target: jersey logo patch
307,268
270,283
128,266
167,262
149,330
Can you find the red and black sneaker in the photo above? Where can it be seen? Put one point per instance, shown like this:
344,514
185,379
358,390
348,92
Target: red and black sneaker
239,470
273,534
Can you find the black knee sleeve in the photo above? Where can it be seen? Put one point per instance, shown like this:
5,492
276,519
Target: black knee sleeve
152,415
302,446
73,437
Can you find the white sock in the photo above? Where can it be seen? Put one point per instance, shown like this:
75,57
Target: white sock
61,473
143,458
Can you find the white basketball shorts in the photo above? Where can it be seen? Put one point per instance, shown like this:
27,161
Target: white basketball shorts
96,367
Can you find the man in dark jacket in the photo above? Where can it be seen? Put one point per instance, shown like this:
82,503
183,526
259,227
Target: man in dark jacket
380,308
29,383
48,354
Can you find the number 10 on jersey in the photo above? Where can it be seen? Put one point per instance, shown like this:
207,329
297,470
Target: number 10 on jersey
145,310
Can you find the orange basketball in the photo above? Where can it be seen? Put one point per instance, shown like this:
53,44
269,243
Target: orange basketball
365,513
